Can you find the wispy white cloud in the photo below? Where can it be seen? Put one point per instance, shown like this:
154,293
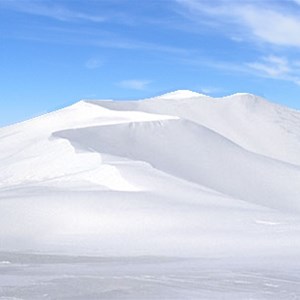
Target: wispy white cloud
93,63
277,68
260,20
273,27
272,66
209,90
94,37
90,34
273,23
218,64
50,10
134,84
130,44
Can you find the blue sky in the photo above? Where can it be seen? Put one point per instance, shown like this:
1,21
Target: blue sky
54,53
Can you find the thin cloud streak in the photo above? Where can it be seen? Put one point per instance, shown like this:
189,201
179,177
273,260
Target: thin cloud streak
134,84
93,63
46,9
211,90
101,39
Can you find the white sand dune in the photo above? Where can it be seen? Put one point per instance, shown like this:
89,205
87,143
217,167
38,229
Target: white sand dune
180,175
248,120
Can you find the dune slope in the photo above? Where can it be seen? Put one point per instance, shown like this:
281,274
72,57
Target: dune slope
182,174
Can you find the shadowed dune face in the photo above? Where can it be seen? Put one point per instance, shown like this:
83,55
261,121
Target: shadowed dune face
197,154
